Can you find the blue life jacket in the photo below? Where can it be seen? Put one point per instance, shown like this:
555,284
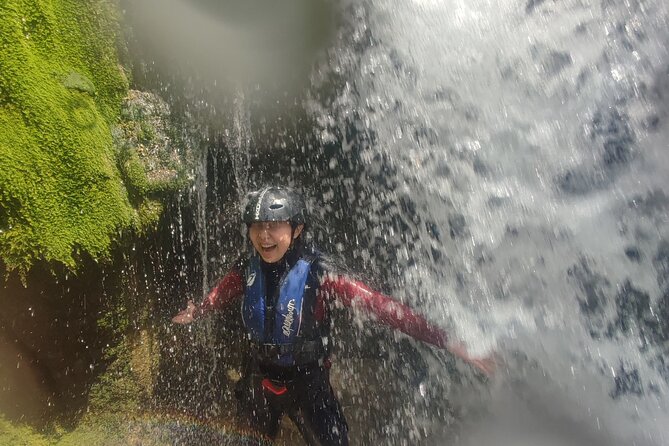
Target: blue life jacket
283,344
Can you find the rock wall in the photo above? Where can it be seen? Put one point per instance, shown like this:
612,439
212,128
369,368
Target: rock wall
86,167
66,186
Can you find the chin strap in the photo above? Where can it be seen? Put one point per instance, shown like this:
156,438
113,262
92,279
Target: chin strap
292,236
293,228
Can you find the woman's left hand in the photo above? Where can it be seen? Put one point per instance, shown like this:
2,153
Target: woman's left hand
486,365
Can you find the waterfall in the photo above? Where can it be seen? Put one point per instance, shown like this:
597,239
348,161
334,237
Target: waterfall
239,143
502,168
526,147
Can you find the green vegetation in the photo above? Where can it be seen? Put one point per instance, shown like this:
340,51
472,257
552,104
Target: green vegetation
150,163
122,430
65,190
19,435
82,159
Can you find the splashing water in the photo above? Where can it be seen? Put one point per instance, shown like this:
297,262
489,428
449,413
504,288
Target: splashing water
240,144
530,139
502,166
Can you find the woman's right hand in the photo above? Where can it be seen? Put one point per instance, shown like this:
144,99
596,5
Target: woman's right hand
187,315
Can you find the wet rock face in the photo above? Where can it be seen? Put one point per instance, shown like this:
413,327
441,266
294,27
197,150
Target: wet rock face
145,138
50,345
23,387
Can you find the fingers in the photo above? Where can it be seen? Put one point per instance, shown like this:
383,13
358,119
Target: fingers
187,315
458,350
488,366
182,318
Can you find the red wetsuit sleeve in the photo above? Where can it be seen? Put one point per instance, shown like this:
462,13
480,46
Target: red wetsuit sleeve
228,290
352,293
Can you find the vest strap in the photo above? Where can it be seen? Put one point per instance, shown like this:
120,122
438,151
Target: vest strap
304,352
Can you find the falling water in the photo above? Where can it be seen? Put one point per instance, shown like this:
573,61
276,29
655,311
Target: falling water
239,143
201,190
502,167
530,141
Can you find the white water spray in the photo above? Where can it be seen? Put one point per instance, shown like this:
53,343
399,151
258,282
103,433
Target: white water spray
527,130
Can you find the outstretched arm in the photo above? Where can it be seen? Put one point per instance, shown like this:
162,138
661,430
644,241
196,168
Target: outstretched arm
227,290
352,293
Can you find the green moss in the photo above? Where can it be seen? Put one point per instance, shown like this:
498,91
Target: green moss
147,214
147,132
118,389
156,430
133,172
19,435
108,430
152,158
75,81
121,430
60,91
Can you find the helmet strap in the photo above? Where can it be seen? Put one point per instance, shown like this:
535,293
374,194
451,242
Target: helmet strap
293,227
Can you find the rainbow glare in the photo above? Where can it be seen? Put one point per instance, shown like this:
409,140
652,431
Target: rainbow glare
178,429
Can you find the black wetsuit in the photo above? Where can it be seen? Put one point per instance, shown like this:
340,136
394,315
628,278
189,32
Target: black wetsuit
267,392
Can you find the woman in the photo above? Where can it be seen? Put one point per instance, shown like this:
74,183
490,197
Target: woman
285,292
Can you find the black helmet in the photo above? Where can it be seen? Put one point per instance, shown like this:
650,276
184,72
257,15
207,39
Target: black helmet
275,204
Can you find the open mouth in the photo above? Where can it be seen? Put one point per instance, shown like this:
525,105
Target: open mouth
268,249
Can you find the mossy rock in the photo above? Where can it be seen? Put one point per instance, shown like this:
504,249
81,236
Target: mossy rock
78,82
66,189
152,158
60,90
20,435
122,430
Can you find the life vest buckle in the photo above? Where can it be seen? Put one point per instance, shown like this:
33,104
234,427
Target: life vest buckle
274,387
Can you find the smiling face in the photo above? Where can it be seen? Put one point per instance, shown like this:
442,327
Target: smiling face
272,238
